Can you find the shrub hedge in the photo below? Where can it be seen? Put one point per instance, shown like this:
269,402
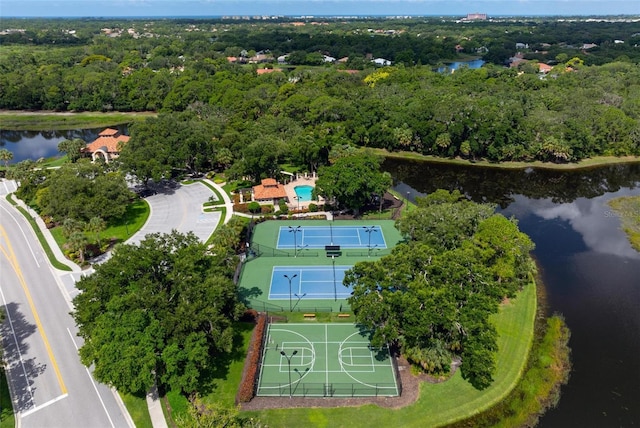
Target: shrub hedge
252,363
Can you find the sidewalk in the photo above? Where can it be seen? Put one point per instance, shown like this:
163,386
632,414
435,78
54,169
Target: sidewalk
228,203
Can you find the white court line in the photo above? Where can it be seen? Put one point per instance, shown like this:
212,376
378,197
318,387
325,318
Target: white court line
95,387
326,351
15,340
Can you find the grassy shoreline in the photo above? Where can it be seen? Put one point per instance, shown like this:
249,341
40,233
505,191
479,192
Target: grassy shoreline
11,120
627,208
438,404
585,163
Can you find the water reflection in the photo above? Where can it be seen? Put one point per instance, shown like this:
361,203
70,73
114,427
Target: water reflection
592,218
590,272
43,144
500,186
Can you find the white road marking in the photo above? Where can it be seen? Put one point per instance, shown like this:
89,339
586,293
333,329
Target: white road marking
42,406
15,340
95,387
25,236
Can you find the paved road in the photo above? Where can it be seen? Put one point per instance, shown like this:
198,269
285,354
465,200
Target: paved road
50,387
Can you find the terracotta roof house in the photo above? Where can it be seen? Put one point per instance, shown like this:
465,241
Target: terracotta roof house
544,68
107,145
269,191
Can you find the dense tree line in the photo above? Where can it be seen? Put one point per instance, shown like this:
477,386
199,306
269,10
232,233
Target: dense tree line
433,295
225,115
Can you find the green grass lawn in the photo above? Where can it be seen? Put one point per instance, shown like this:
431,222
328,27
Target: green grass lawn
224,382
117,231
439,404
7,419
52,121
138,409
584,163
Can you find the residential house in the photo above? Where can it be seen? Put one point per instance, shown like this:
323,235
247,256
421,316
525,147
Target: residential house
107,145
269,192
381,61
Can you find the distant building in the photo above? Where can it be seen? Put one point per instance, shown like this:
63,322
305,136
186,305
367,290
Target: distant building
107,145
476,17
588,46
381,61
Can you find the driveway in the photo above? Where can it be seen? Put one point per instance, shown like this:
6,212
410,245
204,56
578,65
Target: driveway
179,208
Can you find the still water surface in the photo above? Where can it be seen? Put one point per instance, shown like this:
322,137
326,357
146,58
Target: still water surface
43,144
591,273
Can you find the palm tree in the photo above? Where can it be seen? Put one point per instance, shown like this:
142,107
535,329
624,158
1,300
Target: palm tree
97,225
71,225
77,243
5,156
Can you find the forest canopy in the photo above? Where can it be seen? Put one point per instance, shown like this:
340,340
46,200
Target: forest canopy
328,93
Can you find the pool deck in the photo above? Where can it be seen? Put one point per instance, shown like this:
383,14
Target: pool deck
291,193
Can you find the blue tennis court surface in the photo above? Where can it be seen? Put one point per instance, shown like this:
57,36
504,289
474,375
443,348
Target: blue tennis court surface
290,237
308,282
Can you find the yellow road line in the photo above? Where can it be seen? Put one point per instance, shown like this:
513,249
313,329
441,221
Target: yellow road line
14,263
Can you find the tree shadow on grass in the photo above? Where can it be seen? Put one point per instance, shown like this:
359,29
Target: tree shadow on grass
245,294
218,372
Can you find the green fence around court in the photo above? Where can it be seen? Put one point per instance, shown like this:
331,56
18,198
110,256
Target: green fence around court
327,390
324,360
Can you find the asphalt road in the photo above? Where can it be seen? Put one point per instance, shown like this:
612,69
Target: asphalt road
179,208
50,387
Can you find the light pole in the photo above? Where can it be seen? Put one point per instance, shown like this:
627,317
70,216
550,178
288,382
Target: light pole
299,297
335,291
369,229
290,278
295,231
295,351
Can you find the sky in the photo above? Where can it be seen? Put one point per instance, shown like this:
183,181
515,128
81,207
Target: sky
177,8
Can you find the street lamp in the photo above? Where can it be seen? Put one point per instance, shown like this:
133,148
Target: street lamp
290,278
369,229
295,351
335,291
295,231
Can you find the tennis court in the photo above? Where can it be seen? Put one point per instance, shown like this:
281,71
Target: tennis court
308,282
319,236
324,360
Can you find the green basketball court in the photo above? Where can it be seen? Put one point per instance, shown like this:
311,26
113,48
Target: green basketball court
324,360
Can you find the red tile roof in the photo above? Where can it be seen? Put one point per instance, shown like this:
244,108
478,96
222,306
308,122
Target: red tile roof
107,140
267,70
269,189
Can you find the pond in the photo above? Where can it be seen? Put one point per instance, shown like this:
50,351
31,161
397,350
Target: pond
43,144
453,66
590,271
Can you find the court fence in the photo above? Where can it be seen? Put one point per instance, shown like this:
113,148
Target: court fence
311,389
257,250
262,306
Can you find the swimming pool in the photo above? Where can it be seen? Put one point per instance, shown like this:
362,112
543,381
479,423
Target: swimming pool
303,193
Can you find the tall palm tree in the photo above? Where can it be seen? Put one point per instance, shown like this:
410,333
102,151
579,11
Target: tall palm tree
77,243
97,225
71,225
5,156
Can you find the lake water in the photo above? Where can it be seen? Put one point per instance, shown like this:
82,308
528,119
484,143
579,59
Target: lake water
590,271
43,144
451,67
